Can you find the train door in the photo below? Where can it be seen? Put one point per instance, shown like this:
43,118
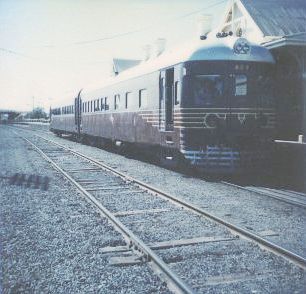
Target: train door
78,113
166,108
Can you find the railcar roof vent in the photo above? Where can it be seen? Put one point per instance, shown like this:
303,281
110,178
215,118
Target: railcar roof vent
204,24
160,46
120,65
146,52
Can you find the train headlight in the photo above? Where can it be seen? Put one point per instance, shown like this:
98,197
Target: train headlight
242,46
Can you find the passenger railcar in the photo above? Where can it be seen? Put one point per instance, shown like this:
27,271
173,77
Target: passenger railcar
210,105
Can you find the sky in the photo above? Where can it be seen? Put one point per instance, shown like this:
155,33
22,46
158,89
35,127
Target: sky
50,49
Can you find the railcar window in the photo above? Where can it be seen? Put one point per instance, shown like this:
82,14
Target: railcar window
143,98
128,100
117,101
106,104
207,88
241,88
177,93
97,106
162,88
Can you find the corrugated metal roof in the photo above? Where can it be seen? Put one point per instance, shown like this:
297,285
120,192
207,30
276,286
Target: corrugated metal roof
293,40
278,17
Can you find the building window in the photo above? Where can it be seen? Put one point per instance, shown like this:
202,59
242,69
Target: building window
143,98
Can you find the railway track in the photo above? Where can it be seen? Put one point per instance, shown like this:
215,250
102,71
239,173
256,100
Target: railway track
290,197
179,235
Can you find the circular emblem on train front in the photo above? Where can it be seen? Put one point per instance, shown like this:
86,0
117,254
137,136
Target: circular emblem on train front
242,46
211,120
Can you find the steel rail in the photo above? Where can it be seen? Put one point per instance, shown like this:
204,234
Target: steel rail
135,243
268,194
268,245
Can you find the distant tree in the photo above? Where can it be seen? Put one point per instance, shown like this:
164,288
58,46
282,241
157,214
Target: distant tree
37,112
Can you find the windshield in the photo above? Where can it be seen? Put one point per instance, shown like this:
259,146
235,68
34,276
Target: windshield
264,88
245,89
207,89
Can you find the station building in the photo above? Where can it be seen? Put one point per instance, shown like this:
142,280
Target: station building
279,25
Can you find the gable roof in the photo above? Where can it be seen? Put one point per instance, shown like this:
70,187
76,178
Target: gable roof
278,17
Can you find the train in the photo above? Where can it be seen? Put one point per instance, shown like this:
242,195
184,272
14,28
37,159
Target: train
209,105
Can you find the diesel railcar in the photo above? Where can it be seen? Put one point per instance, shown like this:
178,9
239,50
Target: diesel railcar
210,105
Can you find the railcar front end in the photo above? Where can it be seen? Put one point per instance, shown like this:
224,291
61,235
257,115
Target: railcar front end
227,113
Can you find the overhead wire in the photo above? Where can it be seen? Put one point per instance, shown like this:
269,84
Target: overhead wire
148,27
115,36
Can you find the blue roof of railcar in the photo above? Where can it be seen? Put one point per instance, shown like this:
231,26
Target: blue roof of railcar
213,49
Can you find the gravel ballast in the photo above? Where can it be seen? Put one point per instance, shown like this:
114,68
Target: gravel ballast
52,241
186,258
249,210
